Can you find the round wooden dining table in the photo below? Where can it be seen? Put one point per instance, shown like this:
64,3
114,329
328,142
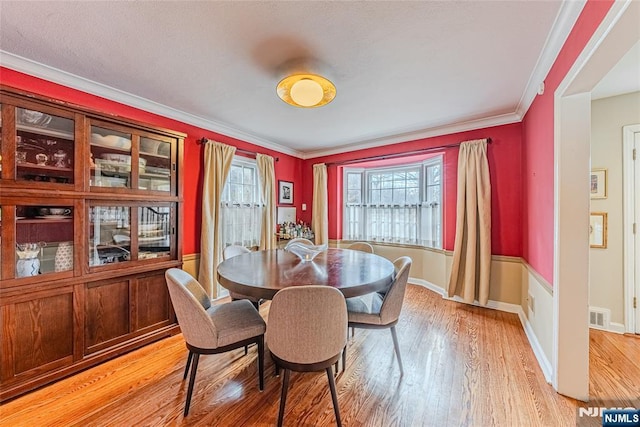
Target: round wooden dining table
261,274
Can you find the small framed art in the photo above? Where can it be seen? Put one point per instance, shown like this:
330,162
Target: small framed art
598,183
598,230
285,193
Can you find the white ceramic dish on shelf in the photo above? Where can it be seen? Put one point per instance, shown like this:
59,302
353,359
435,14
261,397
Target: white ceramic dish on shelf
112,141
149,146
54,217
106,181
157,170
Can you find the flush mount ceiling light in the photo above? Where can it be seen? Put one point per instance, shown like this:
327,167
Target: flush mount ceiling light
306,90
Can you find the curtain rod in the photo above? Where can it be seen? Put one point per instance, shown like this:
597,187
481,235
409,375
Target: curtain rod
247,153
396,155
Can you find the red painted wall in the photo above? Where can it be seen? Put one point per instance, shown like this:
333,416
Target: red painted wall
288,168
537,153
504,164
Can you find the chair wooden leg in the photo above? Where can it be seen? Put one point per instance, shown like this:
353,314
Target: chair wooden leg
397,348
192,381
344,358
246,350
334,396
283,396
261,361
186,368
353,332
276,368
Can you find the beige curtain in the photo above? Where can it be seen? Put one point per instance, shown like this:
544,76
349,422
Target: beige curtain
472,250
217,163
268,187
320,220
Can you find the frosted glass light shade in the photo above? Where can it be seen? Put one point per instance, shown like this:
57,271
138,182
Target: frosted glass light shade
306,90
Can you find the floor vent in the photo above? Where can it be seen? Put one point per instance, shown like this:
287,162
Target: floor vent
599,318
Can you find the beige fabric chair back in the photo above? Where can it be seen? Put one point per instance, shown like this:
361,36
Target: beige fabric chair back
233,250
361,246
392,303
307,324
190,303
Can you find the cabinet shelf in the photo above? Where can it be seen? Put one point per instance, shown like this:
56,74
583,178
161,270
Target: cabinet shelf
45,131
158,156
43,220
112,149
43,168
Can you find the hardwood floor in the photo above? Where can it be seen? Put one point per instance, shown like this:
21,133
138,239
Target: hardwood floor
464,366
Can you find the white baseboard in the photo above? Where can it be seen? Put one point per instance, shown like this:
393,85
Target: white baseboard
544,363
616,328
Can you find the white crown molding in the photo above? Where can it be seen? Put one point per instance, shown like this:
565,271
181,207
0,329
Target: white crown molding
502,119
37,69
562,26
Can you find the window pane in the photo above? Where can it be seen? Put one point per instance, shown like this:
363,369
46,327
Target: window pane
413,196
235,191
433,174
247,196
354,196
399,196
375,197
433,194
386,196
354,181
236,174
248,176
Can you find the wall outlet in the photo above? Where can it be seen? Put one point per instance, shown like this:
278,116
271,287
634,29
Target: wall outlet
531,303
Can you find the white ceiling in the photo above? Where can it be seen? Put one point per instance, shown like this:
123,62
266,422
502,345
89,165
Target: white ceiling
403,70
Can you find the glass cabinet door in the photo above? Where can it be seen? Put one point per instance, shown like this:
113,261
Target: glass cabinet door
44,240
154,232
109,235
110,158
155,165
44,147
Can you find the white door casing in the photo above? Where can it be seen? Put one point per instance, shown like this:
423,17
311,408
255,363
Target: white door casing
631,203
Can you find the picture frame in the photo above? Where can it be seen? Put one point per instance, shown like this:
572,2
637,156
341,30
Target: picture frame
285,192
598,183
598,230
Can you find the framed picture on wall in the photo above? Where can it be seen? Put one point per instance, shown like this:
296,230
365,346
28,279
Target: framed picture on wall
598,183
598,230
285,193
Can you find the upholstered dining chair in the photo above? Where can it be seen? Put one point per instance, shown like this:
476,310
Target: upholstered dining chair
375,311
307,331
230,252
361,246
212,329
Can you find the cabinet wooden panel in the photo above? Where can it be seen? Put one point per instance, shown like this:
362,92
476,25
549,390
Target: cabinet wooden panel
152,306
37,334
106,313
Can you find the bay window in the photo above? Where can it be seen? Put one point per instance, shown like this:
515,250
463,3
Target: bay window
399,204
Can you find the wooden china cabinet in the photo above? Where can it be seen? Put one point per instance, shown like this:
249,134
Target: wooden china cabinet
90,210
